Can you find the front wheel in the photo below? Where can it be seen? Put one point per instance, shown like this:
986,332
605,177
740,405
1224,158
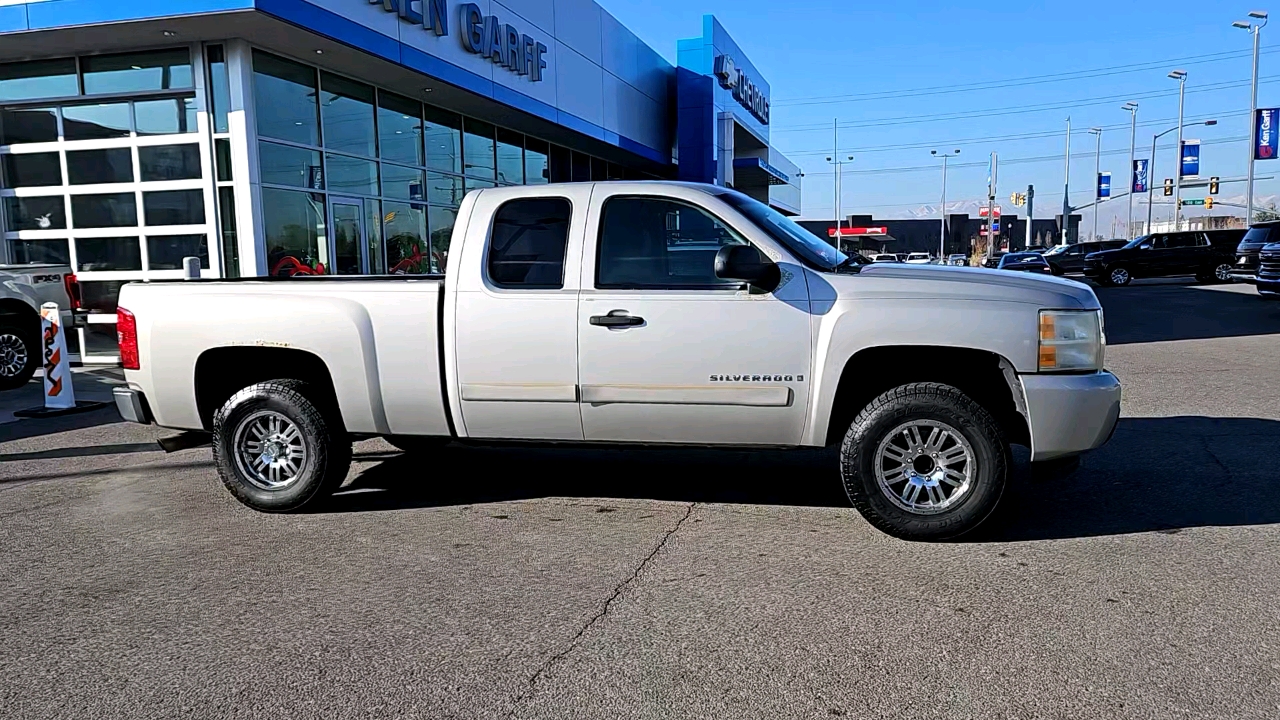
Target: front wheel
924,462
1220,273
1119,276
19,354
275,450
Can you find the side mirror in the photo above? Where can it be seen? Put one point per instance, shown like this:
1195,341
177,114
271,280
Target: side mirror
743,262
1145,246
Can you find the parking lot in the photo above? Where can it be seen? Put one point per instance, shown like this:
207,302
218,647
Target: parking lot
538,583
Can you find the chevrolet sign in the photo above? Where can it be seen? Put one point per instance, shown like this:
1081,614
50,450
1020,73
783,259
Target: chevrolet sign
744,91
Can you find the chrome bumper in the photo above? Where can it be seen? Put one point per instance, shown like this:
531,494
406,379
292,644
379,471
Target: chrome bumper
132,405
1070,414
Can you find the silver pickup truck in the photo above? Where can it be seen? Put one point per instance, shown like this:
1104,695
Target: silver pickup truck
23,289
650,313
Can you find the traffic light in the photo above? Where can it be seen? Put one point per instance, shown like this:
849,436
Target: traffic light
1168,187
1213,186
1208,202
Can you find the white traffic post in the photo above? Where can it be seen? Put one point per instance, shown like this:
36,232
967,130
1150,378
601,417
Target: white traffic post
58,392
190,268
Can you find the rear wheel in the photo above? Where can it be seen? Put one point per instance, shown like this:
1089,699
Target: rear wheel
1219,273
924,462
1119,275
19,353
275,450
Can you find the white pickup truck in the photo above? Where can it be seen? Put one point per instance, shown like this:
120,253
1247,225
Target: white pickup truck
650,313
23,289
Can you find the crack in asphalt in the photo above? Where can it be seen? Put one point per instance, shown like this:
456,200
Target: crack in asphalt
604,610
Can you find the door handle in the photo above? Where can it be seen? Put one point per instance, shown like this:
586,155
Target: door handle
616,318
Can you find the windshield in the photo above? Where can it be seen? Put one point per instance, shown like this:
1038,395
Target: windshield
1136,241
1256,236
1056,250
803,243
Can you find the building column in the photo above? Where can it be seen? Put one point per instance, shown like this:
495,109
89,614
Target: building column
251,232
725,149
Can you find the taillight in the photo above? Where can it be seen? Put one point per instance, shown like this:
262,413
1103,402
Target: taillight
73,290
127,333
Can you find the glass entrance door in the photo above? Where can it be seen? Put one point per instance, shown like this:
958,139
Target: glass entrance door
350,250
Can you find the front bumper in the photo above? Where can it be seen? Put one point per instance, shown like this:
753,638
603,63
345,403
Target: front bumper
1093,271
1070,414
132,405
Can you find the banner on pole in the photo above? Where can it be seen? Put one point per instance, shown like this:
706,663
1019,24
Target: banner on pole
58,393
1140,176
1190,166
1104,185
1264,130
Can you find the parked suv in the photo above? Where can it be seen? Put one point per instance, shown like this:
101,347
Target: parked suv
1246,266
1208,255
1065,259
1268,279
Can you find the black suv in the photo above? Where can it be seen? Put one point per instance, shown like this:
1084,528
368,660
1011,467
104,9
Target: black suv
1208,255
1246,266
1065,259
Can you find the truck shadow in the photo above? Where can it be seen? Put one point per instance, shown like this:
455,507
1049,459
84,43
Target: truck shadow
1184,311
1156,474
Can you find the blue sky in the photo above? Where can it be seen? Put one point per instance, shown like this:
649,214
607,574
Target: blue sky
878,68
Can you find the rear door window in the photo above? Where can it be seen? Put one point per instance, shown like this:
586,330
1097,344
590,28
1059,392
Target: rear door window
528,243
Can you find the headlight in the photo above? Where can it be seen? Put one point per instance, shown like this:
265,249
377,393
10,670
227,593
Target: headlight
1071,340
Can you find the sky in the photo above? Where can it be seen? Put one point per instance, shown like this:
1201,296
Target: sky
909,76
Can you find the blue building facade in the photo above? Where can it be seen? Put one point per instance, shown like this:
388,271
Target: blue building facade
281,137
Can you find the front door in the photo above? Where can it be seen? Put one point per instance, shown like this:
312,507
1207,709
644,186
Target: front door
349,246
668,352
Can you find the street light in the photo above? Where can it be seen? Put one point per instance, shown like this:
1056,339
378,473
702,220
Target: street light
1132,107
1151,169
1254,29
942,243
1097,172
838,164
1181,77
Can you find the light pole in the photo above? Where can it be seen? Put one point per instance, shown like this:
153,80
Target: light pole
1151,168
1097,171
1254,29
942,242
1066,187
1181,77
838,164
1132,107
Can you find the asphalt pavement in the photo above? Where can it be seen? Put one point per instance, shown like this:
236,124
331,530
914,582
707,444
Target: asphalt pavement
537,583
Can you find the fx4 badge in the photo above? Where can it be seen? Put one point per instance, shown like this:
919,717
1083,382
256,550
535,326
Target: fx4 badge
757,378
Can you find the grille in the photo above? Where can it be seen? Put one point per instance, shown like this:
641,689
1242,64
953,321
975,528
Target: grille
1269,267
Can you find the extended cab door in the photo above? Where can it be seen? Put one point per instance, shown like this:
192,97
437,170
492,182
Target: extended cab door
515,336
670,353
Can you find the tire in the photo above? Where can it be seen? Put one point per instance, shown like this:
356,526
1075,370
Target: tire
19,353
291,421
417,443
970,431
1118,276
1220,273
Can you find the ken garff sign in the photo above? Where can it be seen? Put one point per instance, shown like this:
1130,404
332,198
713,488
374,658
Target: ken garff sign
481,34
1264,130
745,92
1104,185
1140,175
1190,158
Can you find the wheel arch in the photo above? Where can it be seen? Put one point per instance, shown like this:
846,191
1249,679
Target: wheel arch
223,371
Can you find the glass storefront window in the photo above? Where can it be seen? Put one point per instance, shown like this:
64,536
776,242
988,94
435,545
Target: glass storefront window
93,167
346,111
444,189
599,170
230,245
284,95
28,125
36,213
165,252
350,175
296,235
402,182
108,254
104,211
55,252
173,207
30,170
478,148
535,161
96,122
219,88
405,230
581,167
101,339
560,162
100,296
473,184
137,72
287,165
373,231
169,162
442,220
166,117
38,79
442,133
510,157
222,158
400,129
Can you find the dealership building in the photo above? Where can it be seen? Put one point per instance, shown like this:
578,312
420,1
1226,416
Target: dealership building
284,137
